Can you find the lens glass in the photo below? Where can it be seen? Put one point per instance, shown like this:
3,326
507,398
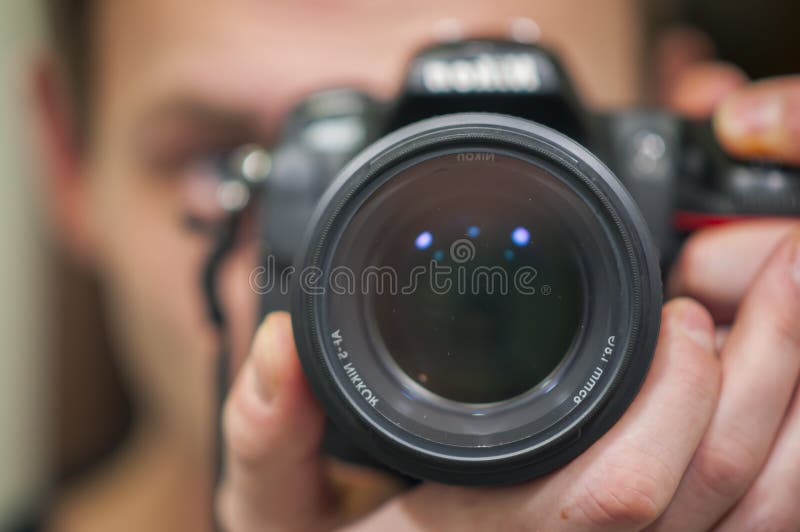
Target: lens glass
470,277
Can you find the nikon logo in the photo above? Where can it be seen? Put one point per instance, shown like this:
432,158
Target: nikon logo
475,157
483,73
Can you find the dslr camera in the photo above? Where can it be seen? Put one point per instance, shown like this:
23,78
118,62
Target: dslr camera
474,269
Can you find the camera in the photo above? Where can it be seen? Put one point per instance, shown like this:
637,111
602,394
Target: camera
475,294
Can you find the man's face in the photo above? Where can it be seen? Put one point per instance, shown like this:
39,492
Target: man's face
178,81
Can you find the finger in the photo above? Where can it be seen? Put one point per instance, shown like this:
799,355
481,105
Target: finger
629,476
676,50
762,120
718,264
273,427
702,86
760,367
689,80
723,331
771,503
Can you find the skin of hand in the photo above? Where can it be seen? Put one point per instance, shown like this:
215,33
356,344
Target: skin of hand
745,470
709,442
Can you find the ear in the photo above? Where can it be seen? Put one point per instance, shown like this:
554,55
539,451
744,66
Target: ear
62,157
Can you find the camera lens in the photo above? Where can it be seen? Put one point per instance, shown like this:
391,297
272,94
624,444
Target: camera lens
478,301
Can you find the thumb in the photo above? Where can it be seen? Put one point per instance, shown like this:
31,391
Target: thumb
762,120
274,476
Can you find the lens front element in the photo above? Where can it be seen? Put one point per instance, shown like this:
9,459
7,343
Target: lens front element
490,284
484,303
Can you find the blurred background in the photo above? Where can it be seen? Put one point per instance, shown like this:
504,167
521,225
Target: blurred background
61,404
26,318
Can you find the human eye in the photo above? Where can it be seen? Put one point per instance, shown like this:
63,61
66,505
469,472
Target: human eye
201,171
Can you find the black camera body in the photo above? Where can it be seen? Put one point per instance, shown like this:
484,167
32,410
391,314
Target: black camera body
485,140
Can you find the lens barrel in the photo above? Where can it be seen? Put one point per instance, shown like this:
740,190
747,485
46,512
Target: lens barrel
478,299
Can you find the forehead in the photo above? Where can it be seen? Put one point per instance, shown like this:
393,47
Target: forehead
241,49
266,53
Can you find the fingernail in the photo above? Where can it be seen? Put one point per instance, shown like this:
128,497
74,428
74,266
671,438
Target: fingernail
265,370
750,114
278,347
695,326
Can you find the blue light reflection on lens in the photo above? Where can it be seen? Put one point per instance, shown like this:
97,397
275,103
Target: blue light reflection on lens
509,254
438,255
473,231
424,240
521,236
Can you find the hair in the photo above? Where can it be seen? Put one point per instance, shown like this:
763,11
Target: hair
71,28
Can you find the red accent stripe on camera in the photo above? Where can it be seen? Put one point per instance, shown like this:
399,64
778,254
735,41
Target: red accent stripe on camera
691,221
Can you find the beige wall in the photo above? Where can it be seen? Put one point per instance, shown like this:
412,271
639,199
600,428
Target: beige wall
23,332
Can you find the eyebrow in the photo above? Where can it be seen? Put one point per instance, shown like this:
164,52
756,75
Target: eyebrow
220,120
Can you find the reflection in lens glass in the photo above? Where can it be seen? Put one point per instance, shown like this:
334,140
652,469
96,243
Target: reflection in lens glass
521,236
424,240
